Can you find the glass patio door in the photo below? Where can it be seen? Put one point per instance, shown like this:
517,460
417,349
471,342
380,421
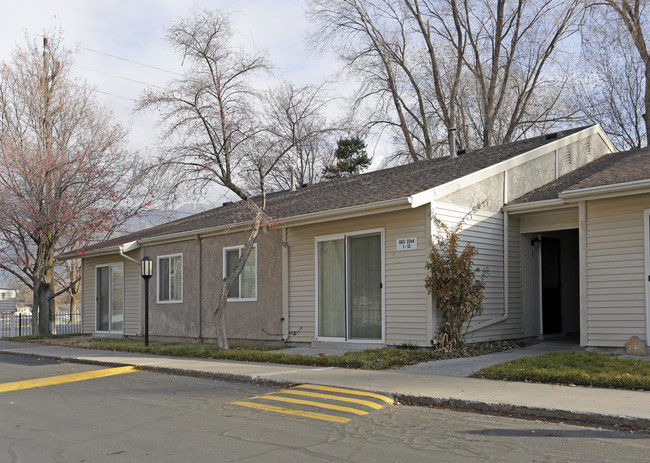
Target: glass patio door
350,287
110,298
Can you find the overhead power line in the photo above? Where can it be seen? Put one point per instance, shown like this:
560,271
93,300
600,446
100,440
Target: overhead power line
131,61
117,76
112,94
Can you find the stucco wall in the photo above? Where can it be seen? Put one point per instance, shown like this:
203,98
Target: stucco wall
175,318
258,320
189,319
544,168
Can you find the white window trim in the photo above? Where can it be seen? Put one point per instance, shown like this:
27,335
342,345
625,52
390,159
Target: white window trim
225,274
170,301
317,239
110,299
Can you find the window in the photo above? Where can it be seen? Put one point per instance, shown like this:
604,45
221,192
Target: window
170,278
245,286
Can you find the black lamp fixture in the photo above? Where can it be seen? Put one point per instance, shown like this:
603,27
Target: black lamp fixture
535,242
146,271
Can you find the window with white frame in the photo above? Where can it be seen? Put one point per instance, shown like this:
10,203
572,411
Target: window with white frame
170,278
244,288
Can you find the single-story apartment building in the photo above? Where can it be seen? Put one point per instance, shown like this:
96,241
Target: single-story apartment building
562,231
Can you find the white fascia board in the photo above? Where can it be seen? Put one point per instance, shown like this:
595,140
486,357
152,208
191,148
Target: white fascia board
445,189
535,206
130,246
607,191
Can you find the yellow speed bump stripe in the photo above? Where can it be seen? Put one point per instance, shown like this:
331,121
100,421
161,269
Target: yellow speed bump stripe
312,403
288,411
367,403
52,380
384,398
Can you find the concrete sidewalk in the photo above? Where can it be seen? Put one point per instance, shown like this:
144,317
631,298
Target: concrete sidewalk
607,407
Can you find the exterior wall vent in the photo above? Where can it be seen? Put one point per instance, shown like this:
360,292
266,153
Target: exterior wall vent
567,158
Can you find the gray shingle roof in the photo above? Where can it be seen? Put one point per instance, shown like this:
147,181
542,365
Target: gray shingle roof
368,188
610,169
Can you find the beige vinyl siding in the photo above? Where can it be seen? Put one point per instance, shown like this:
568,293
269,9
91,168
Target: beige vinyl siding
485,231
514,326
561,219
132,295
616,300
406,299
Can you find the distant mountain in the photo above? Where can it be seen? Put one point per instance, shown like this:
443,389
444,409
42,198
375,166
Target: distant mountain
153,217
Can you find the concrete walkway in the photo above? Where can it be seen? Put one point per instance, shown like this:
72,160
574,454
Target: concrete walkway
463,367
423,386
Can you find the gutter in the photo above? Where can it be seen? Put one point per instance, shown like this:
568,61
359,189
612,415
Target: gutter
535,206
607,191
313,217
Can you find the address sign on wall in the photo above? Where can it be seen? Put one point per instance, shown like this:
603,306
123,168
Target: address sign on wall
407,244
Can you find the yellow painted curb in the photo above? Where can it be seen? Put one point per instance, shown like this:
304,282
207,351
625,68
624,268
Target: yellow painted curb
52,380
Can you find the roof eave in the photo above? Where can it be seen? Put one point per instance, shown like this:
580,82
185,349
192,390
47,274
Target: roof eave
607,191
534,206
315,217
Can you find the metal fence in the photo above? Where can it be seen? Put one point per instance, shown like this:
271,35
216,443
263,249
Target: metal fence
20,324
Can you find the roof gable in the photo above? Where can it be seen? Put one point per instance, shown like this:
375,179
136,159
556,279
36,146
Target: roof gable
610,169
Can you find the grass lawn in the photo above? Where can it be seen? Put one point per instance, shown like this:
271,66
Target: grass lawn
581,368
371,359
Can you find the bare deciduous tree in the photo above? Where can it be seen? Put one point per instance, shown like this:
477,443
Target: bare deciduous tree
64,175
299,113
427,66
622,57
510,46
219,129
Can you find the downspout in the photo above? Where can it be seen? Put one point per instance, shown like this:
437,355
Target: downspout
200,276
285,279
121,251
285,287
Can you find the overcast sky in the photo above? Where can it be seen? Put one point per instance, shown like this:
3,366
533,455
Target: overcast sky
134,30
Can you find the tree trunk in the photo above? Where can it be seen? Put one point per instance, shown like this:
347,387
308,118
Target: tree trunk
220,318
35,311
74,307
220,311
44,300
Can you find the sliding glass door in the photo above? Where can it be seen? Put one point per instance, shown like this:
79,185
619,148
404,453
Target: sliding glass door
110,298
350,290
